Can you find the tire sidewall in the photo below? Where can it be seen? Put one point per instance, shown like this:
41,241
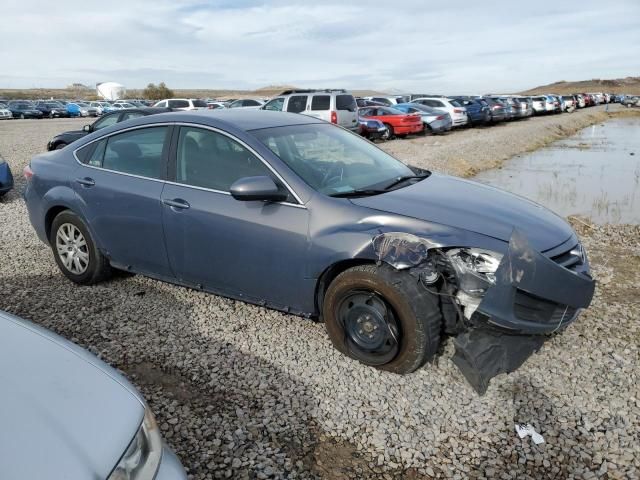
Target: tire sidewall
414,347
90,273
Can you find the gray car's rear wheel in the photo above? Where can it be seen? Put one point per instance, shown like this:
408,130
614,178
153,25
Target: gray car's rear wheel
75,252
382,317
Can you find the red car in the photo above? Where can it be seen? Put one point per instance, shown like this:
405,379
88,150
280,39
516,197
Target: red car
398,123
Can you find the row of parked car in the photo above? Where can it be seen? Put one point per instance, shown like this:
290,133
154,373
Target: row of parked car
376,117
385,117
61,108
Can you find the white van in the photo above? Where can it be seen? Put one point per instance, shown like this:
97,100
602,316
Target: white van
334,106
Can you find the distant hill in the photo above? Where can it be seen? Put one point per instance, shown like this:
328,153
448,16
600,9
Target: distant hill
618,85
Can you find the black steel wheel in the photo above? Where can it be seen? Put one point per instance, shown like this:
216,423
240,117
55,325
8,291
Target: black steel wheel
382,317
370,327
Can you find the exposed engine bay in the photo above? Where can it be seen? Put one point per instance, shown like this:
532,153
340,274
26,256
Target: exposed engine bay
500,307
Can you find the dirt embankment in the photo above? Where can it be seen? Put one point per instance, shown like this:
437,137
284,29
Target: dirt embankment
465,152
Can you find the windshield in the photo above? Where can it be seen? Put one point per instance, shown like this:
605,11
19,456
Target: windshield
330,159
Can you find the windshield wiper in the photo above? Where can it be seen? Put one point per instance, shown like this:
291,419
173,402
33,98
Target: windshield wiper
404,178
358,193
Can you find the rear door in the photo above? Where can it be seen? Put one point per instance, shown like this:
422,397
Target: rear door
346,109
119,181
320,107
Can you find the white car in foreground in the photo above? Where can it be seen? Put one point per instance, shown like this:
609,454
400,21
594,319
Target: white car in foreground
66,414
457,112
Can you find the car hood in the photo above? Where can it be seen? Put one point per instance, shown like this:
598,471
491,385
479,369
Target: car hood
62,409
474,207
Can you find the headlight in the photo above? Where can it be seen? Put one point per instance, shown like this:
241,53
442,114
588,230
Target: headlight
142,457
475,269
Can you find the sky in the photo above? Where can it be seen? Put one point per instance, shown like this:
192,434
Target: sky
449,46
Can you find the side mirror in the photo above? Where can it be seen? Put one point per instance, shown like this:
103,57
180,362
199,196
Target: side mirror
257,188
86,128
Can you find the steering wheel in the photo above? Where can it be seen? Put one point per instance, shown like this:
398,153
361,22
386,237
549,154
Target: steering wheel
334,174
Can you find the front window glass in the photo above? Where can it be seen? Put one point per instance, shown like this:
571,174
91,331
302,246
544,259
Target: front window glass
330,159
212,160
199,103
275,105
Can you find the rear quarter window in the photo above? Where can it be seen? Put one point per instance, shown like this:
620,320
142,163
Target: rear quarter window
320,102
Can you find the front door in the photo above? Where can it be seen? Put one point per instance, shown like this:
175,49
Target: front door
253,250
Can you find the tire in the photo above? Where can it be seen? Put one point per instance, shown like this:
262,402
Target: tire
389,133
60,146
22,116
96,266
413,318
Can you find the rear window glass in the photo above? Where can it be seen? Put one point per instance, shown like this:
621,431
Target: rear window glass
345,102
321,102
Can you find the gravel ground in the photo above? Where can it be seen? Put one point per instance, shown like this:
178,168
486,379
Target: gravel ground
245,392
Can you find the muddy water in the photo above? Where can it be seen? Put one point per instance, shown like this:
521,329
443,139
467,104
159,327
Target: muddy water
595,174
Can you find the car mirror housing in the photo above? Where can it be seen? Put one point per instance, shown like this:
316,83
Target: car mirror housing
261,188
86,128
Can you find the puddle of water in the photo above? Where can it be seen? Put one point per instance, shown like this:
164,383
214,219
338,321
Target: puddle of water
595,174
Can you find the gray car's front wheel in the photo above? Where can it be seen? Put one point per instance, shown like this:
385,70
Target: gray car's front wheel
75,251
382,317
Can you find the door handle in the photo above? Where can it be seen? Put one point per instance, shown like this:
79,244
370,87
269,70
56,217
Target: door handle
86,181
176,203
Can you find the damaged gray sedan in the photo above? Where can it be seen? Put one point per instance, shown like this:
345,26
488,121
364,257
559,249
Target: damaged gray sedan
296,214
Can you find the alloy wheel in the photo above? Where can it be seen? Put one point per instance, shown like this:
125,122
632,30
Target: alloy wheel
72,248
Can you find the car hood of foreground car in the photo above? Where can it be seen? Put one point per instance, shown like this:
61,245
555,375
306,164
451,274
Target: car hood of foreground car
63,412
474,207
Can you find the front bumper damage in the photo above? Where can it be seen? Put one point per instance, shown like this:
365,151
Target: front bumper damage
533,297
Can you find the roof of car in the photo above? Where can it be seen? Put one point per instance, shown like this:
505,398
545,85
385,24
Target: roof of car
240,118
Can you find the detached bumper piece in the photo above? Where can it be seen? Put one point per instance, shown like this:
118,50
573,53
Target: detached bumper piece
482,354
533,297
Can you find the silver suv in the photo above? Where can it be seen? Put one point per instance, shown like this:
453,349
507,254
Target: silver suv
334,106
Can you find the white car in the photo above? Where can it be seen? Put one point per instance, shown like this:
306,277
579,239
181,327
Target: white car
247,103
122,106
215,105
182,104
5,113
388,100
334,106
458,113
539,104
101,107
